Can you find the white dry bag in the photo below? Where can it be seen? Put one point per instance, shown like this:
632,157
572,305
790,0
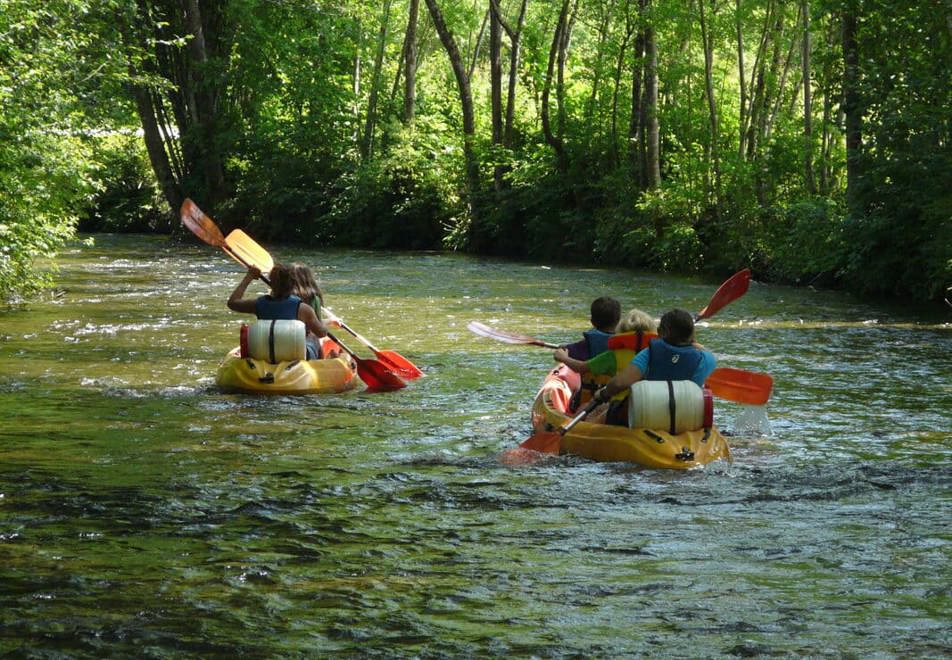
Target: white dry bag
675,406
277,340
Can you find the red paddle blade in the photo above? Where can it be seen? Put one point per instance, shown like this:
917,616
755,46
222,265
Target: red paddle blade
399,364
378,377
740,386
200,224
533,449
728,292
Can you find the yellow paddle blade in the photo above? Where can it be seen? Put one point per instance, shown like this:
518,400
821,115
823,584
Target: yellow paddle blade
247,252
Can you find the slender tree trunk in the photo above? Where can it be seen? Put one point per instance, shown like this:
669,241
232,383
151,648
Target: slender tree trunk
599,51
619,65
711,101
478,45
410,63
742,82
155,147
495,80
367,143
204,103
651,107
553,140
515,37
808,179
636,151
466,99
851,106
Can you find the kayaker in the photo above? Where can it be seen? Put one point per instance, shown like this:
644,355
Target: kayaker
279,304
633,333
674,356
307,289
605,313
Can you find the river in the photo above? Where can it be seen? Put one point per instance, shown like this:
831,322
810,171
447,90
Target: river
143,513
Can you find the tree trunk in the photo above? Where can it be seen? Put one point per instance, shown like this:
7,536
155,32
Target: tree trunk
743,83
495,80
808,179
553,140
636,150
410,55
367,143
652,129
599,50
466,99
711,101
515,36
479,41
619,65
155,147
851,106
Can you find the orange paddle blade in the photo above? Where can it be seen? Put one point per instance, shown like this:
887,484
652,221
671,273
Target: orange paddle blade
533,449
729,291
402,366
200,224
740,386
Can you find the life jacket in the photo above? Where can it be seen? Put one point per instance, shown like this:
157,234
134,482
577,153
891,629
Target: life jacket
269,308
597,341
667,362
625,345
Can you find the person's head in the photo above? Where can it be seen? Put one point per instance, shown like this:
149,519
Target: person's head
281,282
637,321
305,284
677,327
605,313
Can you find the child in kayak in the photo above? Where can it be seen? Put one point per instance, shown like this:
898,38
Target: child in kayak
605,313
634,333
307,289
674,356
279,304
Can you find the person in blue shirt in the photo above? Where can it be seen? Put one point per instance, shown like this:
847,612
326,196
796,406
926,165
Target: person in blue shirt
279,304
606,312
675,356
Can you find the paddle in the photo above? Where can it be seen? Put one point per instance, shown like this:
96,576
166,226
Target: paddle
732,289
244,250
544,442
377,376
484,330
397,363
741,386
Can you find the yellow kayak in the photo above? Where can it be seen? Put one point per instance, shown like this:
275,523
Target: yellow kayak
603,442
238,374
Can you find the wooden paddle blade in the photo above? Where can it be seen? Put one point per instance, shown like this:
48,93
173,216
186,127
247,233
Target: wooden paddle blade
740,386
378,377
484,330
200,224
246,251
729,291
399,364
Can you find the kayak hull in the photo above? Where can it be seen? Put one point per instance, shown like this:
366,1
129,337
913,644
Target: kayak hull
603,442
329,376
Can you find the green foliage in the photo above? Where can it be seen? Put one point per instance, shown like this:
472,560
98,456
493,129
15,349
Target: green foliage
125,197
408,199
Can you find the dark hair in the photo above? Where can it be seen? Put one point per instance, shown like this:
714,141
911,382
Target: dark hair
281,282
677,327
305,284
606,312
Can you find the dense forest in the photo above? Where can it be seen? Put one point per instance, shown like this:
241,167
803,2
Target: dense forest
808,139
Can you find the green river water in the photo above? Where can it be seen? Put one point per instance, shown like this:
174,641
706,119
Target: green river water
145,514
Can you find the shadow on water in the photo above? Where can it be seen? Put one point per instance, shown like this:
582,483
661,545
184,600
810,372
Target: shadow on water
143,512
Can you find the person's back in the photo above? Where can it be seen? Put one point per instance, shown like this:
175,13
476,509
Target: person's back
605,313
279,304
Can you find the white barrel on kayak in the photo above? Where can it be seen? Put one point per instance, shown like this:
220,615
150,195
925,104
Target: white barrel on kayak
652,403
277,340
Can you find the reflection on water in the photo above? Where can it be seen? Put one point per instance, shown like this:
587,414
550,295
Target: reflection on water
142,512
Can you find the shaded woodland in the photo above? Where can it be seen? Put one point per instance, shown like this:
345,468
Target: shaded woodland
810,140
